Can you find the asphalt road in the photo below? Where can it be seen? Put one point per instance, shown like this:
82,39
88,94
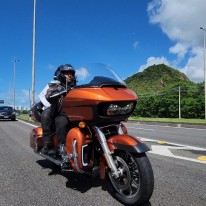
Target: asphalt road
28,179
180,135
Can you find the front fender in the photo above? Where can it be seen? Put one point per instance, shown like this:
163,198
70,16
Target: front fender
127,143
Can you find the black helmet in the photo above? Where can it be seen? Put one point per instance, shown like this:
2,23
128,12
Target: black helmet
59,73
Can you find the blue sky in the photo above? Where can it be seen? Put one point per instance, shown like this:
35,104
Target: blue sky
128,35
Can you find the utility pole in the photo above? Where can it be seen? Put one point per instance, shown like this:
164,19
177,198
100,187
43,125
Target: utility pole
29,99
204,66
33,54
14,83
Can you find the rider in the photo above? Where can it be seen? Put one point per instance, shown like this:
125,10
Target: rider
52,116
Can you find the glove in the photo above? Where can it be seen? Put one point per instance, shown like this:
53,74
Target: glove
54,93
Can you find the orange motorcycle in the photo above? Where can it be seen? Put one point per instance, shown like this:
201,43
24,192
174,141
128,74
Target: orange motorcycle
96,108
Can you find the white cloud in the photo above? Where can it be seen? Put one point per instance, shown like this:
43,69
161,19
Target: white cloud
154,60
51,67
82,73
135,44
23,97
181,20
179,49
193,68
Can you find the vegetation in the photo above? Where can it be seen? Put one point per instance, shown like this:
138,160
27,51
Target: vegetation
160,88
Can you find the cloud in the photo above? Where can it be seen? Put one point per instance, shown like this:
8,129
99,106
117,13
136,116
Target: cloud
193,68
154,60
23,97
181,20
180,50
82,73
51,67
135,44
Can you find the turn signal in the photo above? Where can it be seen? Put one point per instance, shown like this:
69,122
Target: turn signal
82,125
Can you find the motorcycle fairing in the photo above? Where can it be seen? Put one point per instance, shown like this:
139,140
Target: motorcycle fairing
83,144
86,104
127,143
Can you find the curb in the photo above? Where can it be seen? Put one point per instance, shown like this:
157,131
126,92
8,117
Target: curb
184,125
180,125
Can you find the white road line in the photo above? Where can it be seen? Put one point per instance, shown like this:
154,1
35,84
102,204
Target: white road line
175,144
140,128
174,156
33,125
166,150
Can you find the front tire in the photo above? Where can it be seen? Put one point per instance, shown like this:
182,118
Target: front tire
136,182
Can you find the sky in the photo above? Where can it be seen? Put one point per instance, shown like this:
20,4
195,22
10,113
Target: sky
127,35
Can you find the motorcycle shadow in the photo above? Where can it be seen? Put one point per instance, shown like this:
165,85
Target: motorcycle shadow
75,181
147,204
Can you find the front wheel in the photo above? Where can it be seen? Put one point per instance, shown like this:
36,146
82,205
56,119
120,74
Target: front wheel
135,184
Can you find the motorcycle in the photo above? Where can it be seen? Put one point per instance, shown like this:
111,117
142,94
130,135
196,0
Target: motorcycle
97,107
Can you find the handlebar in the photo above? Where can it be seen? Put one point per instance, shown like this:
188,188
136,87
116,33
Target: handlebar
58,94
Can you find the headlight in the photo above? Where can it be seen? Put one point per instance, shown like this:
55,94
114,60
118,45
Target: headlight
117,108
13,113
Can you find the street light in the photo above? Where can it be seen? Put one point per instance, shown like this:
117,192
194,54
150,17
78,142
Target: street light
14,83
33,54
204,67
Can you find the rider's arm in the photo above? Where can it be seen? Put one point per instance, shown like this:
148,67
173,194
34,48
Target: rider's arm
43,98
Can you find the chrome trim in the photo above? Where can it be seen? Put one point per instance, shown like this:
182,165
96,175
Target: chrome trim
83,163
57,162
107,152
119,128
75,156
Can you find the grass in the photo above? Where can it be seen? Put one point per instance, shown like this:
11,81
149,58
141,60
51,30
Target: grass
26,117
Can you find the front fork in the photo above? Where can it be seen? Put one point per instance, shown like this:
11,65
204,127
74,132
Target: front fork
107,152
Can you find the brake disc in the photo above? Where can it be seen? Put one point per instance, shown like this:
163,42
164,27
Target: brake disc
122,182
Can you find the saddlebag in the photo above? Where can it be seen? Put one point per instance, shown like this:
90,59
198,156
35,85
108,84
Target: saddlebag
36,139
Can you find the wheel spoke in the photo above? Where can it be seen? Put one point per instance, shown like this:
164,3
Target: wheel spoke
128,183
135,183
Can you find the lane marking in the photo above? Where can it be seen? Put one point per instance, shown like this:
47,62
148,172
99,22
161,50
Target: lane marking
166,150
178,157
202,158
162,142
140,128
171,143
156,149
33,125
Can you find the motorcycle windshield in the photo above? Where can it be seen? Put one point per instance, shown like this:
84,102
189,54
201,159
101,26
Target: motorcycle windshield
98,75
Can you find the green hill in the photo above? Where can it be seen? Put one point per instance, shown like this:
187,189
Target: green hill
157,78
162,90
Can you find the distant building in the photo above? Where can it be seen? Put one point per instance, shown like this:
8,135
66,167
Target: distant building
21,108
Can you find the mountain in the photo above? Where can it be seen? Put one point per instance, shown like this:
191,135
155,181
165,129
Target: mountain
157,78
